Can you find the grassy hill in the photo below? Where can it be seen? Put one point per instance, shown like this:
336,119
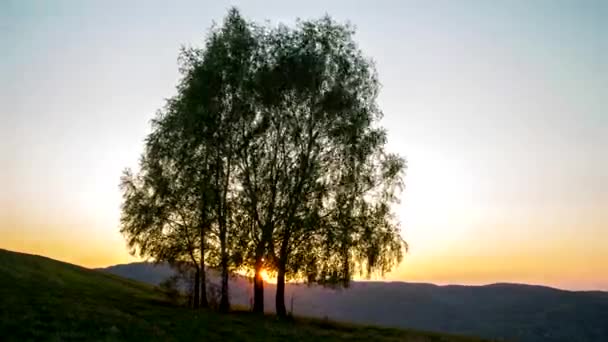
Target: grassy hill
44,299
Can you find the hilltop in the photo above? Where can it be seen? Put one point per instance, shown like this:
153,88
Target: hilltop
44,299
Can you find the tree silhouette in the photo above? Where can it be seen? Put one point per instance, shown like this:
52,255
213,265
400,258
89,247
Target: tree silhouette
215,91
330,183
159,217
270,156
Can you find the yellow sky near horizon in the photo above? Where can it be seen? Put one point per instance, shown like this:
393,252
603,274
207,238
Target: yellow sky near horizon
471,255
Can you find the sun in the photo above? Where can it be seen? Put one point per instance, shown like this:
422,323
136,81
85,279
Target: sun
264,275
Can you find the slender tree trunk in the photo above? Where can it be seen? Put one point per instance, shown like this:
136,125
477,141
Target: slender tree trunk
258,287
345,268
225,299
282,266
204,301
196,300
280,296
204,227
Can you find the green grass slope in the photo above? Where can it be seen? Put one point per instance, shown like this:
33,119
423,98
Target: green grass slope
44,299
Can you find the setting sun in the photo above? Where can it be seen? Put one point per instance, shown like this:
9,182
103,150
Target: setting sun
265,276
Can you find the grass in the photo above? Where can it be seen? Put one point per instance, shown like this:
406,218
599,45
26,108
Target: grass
44,299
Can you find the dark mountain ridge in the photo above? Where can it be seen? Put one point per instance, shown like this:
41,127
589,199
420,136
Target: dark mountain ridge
503,310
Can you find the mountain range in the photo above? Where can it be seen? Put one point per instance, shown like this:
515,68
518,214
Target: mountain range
500,311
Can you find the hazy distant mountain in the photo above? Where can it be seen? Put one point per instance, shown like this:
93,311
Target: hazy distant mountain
142,271
506,311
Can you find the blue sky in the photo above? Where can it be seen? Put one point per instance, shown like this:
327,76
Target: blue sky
501,109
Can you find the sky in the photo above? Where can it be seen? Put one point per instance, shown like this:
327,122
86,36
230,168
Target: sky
501,109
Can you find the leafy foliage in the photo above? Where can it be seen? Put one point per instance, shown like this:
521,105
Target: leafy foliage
270,156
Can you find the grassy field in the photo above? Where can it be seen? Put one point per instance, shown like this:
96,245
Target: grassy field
44,299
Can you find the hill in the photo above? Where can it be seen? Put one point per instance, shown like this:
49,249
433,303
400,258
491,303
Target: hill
505,311
44,299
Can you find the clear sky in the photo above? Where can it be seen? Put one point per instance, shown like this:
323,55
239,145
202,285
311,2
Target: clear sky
501,108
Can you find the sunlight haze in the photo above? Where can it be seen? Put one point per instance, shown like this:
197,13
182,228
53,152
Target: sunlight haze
501,109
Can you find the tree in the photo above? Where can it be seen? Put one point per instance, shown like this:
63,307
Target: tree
270,156
315,178
191,151
216,101
154,219
176,203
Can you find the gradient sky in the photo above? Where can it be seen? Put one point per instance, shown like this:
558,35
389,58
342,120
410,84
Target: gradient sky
501,109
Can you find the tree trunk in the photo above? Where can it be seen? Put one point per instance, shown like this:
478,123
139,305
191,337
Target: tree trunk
258,287
280,296
204,301
225,299
196,300
282,267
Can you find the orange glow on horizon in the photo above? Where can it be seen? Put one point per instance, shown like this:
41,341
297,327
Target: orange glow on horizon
468,253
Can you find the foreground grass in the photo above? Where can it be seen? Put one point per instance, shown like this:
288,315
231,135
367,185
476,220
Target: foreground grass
43,299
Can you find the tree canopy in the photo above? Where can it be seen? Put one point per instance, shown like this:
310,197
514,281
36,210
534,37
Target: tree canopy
270,157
